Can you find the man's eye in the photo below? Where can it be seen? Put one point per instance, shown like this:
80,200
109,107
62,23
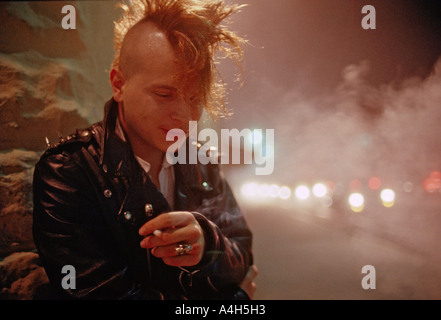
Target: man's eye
163,95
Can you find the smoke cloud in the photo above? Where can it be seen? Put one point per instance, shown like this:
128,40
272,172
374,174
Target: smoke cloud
360,130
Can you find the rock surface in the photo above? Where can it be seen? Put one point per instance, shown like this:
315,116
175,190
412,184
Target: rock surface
52,81
16,169
23,278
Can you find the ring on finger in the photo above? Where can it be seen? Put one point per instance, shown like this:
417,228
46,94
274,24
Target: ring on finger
183,249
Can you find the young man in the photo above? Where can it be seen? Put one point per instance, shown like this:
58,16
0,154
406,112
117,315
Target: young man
108,204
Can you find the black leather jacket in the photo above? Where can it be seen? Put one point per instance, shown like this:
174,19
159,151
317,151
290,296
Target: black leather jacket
90,196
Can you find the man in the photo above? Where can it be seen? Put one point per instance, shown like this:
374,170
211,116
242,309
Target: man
108,204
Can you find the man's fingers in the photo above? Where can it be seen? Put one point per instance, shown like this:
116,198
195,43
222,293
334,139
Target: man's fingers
170,251
165,232
248,284
166,221
253,272
188,234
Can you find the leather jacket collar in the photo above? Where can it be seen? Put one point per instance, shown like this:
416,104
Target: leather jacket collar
117,157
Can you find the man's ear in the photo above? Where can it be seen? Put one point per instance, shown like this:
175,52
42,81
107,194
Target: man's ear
117,83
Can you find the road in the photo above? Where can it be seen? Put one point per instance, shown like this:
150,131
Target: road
314,253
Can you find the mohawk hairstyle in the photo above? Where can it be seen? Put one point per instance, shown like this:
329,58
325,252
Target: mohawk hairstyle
194,29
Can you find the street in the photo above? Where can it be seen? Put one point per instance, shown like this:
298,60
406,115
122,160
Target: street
303,253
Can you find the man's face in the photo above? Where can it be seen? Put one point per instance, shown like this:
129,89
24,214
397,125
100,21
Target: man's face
153,98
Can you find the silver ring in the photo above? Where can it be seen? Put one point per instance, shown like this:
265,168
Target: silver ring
183,249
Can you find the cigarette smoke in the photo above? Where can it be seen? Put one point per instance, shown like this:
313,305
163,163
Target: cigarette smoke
359,130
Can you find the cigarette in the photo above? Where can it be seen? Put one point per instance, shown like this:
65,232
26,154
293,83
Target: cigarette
157,233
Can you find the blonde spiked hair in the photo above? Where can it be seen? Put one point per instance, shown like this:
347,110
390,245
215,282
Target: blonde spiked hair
194,29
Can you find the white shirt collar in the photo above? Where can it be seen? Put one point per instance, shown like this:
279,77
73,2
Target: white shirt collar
147,166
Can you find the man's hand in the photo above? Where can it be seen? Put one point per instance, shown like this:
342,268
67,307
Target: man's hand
166,232
248,285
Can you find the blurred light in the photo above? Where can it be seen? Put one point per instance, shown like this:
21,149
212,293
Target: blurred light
355,185
388,198
433,183
302,192
388,195
250,190
273,191
356,201
284,193
263,191
319,190
374,183
435,175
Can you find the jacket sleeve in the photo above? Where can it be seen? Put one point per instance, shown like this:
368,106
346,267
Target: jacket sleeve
228,252
66,221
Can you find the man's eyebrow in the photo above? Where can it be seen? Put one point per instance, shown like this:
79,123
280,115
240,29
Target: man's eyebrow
164,87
